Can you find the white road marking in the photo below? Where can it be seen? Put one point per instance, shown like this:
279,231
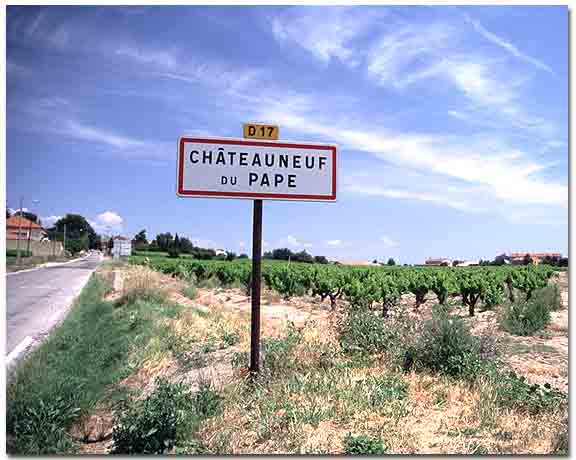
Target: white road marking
54,317
20,348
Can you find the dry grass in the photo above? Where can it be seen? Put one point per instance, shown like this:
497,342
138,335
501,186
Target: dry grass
312,407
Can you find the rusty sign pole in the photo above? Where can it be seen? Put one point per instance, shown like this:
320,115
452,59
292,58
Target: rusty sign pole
255,295
256,283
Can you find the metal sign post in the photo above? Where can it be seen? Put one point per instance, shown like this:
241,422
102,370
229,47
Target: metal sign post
255,294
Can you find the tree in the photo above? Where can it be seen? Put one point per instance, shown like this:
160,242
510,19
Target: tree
527,260
320,260
243,256
79,233
164,241
8,215
176,242
230,256
456,262
28,215
140,241
391,261
303,256
500,259
375,261
186,245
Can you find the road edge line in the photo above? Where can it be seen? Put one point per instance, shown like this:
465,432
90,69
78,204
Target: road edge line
19,349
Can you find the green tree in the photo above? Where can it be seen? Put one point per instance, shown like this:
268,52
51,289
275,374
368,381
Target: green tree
243,256
164,241
28,215
140,241
527,260
320,260
186,245
79,233
230,256
391,261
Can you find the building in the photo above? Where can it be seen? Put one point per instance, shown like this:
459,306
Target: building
26,227
220,252
122,247
469,263
438,262
517,258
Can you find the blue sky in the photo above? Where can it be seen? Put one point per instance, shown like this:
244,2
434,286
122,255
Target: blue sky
451,122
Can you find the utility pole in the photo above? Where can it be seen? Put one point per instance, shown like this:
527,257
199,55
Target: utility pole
30,227
18,260
64,240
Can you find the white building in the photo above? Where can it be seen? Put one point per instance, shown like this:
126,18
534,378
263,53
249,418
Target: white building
122,247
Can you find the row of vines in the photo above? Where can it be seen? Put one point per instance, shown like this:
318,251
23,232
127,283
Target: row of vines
370,287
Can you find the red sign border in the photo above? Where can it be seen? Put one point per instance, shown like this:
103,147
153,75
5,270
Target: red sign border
214,194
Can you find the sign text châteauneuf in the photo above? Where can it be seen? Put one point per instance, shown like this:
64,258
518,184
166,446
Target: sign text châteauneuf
237,168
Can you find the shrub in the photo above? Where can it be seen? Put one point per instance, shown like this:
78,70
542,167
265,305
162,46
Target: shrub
154,425
141,294
549,296
150,426
446,346
278,353
190,291
363,445
173,253
14,253
524,317
363,331
513,391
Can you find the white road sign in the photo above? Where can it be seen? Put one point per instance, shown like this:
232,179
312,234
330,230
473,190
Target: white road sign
238,168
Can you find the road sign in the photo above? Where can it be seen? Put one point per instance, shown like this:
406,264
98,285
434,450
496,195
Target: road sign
260,131
238,168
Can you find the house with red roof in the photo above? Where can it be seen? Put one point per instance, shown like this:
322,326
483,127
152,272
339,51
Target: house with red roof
19,224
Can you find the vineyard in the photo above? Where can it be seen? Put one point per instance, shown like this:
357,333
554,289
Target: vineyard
369,287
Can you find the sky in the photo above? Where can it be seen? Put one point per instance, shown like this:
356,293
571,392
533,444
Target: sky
451,122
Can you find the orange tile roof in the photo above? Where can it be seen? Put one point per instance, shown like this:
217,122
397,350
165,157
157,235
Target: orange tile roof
17,221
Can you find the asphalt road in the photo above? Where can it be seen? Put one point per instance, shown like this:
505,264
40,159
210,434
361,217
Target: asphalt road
36,300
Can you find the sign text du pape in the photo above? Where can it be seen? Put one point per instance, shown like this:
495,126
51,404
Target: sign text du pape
256,169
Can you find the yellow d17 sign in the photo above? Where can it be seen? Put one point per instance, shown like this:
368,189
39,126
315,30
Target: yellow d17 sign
260,131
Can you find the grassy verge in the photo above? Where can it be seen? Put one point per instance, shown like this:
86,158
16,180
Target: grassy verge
73,369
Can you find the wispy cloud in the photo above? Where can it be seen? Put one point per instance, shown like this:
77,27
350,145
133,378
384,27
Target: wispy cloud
505,173
325,32
407,54
441,200
507,45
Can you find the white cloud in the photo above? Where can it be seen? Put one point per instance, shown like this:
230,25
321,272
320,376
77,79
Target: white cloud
334,243
407,54
434,198
291,241
107,222
509,47
388,242
504,172
49,221
78,130
164,59
109,218
326,32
